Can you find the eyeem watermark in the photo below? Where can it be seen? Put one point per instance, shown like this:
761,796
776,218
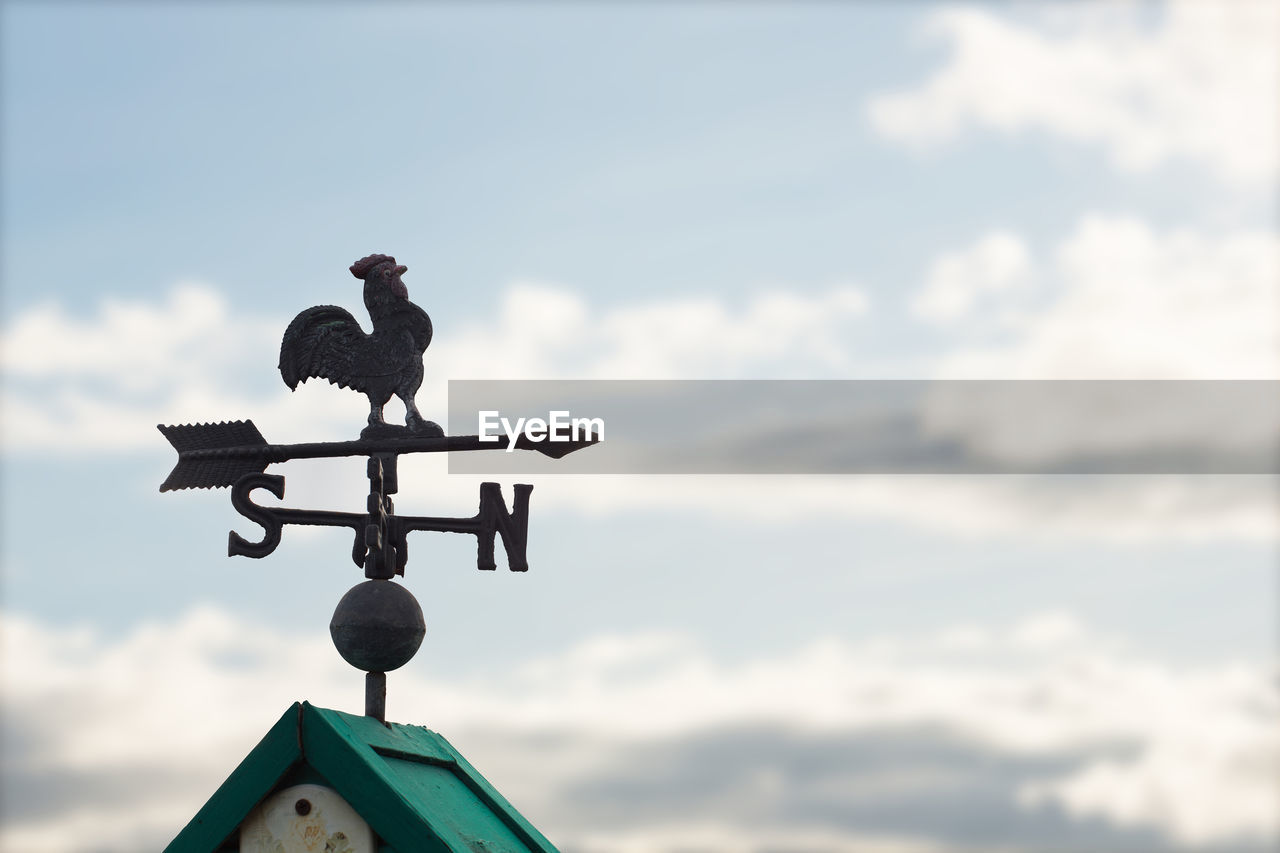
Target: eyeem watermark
558,426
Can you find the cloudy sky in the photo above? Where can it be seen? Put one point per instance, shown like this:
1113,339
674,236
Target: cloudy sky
664,191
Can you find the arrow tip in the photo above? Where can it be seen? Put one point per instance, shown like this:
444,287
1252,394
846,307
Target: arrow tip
560,449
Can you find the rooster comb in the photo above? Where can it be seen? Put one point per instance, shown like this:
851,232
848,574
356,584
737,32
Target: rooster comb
365,265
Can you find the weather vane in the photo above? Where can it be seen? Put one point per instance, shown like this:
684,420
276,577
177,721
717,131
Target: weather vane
378,625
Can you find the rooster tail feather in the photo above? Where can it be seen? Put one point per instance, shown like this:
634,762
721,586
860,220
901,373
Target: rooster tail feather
320,343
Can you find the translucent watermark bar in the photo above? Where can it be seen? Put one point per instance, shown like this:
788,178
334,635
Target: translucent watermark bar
877,427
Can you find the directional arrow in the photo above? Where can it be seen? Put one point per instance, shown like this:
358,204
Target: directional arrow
215,456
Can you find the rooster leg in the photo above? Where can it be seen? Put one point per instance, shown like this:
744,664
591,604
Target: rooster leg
412,416
375,414
416,422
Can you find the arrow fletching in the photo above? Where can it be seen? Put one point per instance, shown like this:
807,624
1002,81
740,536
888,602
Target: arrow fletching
211,456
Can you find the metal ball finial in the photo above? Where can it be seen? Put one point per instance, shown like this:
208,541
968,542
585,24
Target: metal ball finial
377,626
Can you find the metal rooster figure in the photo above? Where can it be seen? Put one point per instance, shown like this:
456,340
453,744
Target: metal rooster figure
326,342
378,625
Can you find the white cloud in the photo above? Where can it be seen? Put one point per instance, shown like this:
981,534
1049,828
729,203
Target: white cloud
1199,743
545,332
714,836
1127,302
1165,786
135,344
1200,85
1118,300
1059,508
102,382
958,280
113,376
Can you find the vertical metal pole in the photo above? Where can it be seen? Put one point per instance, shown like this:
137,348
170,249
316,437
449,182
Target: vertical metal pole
375,696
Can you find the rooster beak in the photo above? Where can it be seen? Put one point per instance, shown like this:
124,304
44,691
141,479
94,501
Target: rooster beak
401,269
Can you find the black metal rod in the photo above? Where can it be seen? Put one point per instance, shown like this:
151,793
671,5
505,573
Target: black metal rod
375,696
213,456
378,446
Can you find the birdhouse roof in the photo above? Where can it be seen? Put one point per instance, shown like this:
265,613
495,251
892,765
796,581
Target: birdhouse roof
409,783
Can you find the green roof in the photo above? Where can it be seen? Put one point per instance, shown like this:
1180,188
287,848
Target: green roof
415,790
